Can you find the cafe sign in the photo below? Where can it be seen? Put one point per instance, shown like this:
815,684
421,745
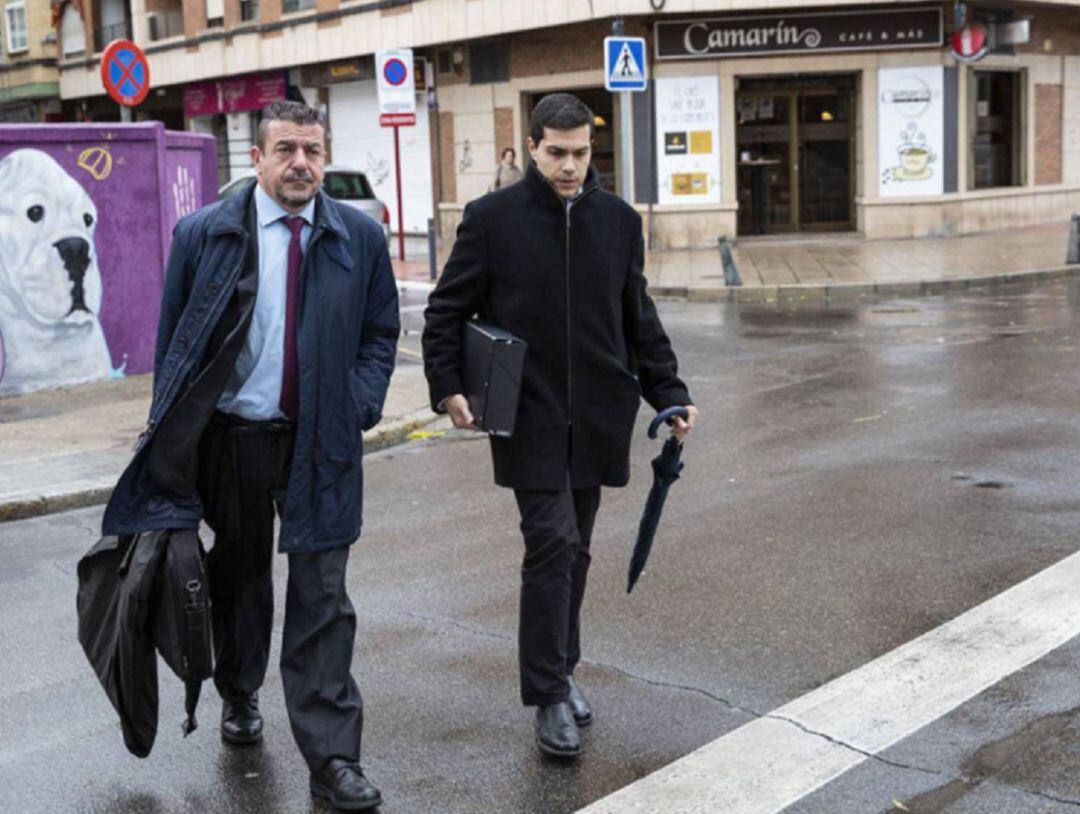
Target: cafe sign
799,33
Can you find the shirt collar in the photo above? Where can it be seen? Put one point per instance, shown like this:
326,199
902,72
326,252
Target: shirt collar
268,210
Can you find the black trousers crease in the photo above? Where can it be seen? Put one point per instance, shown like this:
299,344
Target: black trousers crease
243,473
557,530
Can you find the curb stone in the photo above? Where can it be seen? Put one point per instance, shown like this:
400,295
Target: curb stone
382,436
838,291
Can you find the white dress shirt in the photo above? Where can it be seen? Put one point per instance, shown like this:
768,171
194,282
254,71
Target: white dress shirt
254,389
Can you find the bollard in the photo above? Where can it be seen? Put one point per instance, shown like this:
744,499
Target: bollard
731,271
431,258
1072,253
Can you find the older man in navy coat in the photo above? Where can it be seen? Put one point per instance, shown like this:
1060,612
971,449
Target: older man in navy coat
277,338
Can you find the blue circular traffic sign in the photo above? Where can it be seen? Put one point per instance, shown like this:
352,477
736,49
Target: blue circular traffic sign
394,71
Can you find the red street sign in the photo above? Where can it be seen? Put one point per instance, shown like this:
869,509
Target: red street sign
397,119
125,72
969,43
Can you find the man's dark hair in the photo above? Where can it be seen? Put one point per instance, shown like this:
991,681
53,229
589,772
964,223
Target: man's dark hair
285,111
559,111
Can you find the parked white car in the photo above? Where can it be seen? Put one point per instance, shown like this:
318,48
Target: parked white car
343,184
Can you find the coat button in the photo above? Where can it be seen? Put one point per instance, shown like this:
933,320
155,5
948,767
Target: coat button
181,342
214,288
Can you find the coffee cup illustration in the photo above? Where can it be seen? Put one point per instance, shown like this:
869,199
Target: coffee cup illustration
914,154
689,183
915,159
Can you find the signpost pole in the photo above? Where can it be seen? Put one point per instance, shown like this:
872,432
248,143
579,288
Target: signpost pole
625,72
624,146
397,109
400,209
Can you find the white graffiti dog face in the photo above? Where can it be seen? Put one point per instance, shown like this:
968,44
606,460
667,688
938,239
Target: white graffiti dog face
48,263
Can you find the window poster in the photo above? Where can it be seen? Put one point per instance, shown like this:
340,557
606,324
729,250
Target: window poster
688,139
911,126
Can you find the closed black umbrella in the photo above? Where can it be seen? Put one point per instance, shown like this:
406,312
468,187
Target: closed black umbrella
666,468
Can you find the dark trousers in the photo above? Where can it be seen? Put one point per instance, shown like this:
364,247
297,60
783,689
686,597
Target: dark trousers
244,470
557,528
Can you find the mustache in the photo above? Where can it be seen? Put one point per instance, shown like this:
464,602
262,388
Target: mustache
298,176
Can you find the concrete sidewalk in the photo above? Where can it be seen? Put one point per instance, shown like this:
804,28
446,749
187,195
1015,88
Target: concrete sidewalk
63,449
831,265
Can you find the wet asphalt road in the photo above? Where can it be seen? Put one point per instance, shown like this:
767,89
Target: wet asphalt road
862,473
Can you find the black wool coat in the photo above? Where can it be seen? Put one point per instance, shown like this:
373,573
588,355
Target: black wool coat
571,284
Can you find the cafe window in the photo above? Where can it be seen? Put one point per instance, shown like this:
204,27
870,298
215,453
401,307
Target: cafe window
996,147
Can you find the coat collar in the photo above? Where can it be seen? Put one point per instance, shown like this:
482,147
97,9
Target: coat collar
543,189
231,216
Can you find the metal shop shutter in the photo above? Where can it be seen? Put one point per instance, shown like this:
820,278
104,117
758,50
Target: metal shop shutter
360,142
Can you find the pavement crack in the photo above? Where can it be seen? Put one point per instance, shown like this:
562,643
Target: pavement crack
689,688
446,620
844,745
1046,796
733,706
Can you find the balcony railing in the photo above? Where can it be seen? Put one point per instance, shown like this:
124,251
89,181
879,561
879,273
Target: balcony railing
105,34
165,24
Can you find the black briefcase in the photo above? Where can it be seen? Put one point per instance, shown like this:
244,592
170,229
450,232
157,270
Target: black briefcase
492,361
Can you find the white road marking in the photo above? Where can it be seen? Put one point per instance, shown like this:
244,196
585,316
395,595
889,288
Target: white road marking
768,764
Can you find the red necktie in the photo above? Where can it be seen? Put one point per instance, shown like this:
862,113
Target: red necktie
290,369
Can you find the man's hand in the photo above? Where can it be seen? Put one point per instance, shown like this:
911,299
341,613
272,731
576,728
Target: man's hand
458,408
680,427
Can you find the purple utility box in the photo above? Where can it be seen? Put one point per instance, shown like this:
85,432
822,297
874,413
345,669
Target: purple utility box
86,219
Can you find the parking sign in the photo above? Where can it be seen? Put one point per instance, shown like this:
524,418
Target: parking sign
394,79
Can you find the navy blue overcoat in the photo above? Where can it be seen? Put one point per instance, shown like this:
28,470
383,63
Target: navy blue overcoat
347,342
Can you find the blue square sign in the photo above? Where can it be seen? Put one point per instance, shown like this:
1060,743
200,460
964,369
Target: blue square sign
624,63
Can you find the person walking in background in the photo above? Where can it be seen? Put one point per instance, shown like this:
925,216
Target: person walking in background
276,342
559,262
507,172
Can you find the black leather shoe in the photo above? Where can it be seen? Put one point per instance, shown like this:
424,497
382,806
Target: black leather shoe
556,733
241,723
344,785
579,707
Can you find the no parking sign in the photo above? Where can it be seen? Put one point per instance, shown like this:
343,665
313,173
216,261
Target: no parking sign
395,82
125,73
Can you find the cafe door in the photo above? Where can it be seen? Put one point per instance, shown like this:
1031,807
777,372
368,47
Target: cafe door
795,154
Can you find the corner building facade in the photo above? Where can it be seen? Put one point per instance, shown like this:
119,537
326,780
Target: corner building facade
842,117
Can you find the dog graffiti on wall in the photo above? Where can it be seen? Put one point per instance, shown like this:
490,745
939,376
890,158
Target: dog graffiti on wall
50,284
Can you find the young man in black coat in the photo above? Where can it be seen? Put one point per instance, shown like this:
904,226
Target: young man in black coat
559,262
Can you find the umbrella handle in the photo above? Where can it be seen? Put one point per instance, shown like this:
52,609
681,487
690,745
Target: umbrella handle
666,416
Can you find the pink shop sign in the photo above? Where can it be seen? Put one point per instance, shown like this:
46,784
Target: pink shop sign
233,95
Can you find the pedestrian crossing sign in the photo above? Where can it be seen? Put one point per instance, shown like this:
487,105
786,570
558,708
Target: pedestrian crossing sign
624,63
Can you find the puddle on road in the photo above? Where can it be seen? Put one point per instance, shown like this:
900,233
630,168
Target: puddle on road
1007,761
